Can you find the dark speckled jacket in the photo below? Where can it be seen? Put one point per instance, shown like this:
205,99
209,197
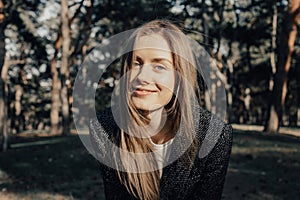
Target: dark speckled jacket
204,180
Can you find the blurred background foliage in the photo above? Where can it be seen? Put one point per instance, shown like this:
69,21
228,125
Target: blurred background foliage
255,45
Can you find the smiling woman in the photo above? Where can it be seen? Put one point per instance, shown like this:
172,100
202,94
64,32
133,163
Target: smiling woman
157,125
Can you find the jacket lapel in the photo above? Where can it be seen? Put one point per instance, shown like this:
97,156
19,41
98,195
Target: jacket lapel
178,177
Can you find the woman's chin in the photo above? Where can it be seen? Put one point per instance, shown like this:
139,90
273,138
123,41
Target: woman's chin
143,107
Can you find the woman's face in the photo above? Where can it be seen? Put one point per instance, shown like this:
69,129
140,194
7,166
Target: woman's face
152,76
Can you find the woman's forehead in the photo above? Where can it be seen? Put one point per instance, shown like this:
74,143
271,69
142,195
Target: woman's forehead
153,56
153,41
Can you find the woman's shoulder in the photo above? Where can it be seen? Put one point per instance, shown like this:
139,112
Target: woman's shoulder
213,132
103,122
104,115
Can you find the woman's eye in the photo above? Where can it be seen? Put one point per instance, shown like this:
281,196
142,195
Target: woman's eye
137,65
159,67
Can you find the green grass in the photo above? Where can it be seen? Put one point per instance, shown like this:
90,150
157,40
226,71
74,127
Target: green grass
261,167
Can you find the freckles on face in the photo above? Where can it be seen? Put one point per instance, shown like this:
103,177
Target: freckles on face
152,75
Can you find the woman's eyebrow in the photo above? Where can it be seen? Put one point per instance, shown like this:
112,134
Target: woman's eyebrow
162,59
139,59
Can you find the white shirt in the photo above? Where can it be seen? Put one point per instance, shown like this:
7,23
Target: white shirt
162,152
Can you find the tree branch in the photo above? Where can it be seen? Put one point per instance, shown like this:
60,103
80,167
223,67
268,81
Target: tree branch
76,12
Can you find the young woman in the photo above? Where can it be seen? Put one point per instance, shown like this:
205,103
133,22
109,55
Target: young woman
157,128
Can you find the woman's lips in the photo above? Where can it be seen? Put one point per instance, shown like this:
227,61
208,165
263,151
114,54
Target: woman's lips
143,92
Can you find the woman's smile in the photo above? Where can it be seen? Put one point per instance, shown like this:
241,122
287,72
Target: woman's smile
140,91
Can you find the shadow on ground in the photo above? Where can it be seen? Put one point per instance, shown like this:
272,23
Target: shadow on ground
261,167
49,168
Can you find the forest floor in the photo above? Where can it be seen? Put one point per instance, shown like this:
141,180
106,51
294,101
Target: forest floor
262,166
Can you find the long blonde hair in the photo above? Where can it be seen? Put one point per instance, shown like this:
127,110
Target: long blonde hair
140,182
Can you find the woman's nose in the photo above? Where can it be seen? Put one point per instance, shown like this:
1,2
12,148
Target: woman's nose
145,74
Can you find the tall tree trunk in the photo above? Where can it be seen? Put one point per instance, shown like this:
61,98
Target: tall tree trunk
81,43
3,116
298,104
205,31
3,86
272,113
286,47
64,69
18,108
273,45
16,118
298,112
61,85
54,115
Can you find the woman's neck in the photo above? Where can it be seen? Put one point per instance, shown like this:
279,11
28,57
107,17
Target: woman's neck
159,126
164,135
